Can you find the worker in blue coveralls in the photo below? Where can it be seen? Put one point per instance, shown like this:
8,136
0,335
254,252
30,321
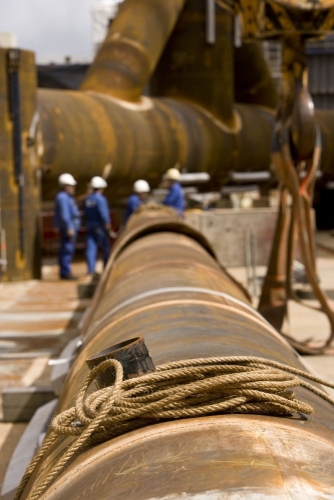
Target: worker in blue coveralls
67,221
175,196
141,190
98,224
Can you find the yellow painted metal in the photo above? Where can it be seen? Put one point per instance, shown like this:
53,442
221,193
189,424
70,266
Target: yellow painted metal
20,264
265,19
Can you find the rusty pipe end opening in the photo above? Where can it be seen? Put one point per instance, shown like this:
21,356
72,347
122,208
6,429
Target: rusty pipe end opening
133,356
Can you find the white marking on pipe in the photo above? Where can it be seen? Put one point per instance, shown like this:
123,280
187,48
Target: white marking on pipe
144,104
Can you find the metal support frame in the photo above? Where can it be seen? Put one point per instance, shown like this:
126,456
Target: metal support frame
3,244
250,246
296,149
210,28
13,63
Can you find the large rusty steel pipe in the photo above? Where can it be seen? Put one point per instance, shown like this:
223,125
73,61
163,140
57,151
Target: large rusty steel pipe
164,284
192,69
133,45
195,123
82,132
108,121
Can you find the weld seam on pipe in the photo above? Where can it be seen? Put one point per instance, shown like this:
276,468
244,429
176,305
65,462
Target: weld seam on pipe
187,289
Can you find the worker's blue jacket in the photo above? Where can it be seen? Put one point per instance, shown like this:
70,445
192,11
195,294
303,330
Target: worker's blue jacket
67,215
175,197
131,206
96,211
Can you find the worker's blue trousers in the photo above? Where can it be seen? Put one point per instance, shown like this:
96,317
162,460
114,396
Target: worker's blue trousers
66,253
97,237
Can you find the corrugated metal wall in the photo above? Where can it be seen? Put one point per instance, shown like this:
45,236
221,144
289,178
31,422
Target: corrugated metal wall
320,61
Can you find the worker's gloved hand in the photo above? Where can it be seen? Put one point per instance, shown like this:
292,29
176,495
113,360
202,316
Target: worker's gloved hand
70,233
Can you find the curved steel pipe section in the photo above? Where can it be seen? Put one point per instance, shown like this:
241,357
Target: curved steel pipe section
165,285
84,131
133,45
197,125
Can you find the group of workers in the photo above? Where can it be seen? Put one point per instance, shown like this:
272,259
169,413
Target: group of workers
97,216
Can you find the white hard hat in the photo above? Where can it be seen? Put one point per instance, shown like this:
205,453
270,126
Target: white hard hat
66,180
173,174
98,183
141,186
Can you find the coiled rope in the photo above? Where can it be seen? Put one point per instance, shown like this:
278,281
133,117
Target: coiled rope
183,389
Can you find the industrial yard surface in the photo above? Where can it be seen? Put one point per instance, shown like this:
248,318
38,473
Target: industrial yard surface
37,318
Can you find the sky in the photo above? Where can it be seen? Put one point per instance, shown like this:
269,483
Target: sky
53,29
